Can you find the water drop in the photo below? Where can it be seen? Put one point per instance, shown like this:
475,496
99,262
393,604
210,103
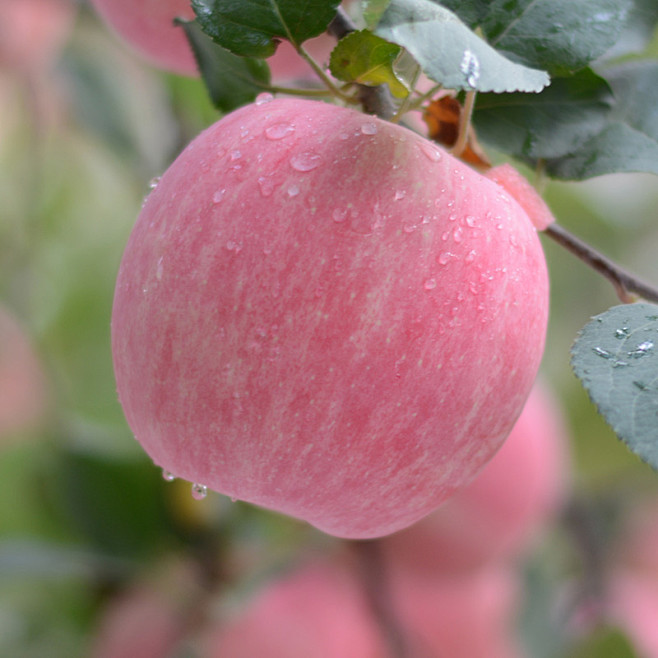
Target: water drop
218,195
369,128
343,136
430,284
458,234
400,194
199,491
599,351
159,271
445,257
432,152
642,349
622,333
168,475
266,185
471,221
236,154
293,190
339,216
305,161
153,183
470,256
263,98
231,245
279,130
470,67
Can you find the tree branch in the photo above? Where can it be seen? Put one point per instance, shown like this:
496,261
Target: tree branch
625,283
375,100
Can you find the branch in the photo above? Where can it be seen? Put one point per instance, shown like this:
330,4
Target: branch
375,100
624,282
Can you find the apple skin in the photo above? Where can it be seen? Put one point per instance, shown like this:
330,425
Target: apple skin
499,515
324,314
316,611
148,26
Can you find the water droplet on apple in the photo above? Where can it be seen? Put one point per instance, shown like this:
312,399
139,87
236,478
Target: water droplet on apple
432,152
400,194
305,161
199,491
339,215
168,475
236,154
429,284
153,183
279,130
470,256
445,257
266,186
293,190
159,270
369,128
218,195
236,247
264,97
458,234
471,221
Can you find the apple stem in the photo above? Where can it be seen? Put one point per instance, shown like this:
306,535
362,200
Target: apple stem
625,283
464,123
373,572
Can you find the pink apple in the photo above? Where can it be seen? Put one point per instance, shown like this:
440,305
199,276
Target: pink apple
316,611
325,314
23,397
504,509
148,26
33,31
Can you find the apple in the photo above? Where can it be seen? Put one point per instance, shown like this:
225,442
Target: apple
316,611
33,31
503,511
23,397
324,314
148,26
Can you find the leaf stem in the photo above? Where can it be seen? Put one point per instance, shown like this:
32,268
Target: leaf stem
464,123
335,91
625,283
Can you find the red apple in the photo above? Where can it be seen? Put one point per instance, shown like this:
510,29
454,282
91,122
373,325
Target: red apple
33,31
503,510
317,611
323,313
148,26
23,397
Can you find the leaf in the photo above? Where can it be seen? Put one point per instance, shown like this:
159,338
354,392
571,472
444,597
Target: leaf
550,124
560,36
367,59
372,11
231,81
605,642
450,53
639,29
254,28
628,141
471,12
616,358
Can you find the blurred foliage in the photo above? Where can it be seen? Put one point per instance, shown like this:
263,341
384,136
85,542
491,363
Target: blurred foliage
83,513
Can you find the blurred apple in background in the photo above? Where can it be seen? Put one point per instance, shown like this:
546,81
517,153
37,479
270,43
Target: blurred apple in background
23,391
505,508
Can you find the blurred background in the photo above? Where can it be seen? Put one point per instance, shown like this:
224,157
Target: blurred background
99,555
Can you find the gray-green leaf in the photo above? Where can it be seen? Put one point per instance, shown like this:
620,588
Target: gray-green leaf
450,53
616,358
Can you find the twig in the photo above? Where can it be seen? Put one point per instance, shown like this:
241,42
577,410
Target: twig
376,584
624,282
464,124
375,100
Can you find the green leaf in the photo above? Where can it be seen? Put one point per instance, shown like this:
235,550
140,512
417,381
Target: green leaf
367,59
254,28
450,53
628,142
559,36
616,358
372,11
639,29
545,125
471,12
231,80
605,643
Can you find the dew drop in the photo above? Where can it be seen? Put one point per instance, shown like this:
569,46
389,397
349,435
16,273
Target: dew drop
339,216
343,136
642,349
369,128
471,221
159,270
168,476
445,257
430,151
470,256
263,98
622,333
305,161
293,190
429,284
236,247
599,351
153,183
199,491
266,185
218,195
458,234
279,130
236,154
400,194
470,67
